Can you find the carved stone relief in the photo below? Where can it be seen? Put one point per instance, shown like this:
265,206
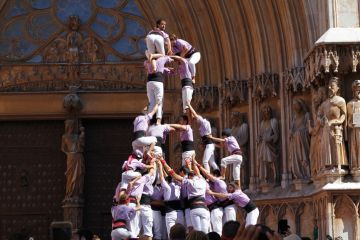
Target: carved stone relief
205,99
265,85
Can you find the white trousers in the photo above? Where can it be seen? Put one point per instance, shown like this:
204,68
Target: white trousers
209,157
120,233
194,59
200,219
236,161
187,155
229,213
140,143
134,223
146,220
173,217
216,217
159,223
251,217
155,93
126,177
188,222
155,44
186,94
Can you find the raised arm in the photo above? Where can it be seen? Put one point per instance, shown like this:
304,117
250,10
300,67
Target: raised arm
220,140
218,195
178,58
192,110
195,167
207,174
170,171
178,127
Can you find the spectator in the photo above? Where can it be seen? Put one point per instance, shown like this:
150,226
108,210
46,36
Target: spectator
197,235
177,232
213,236
230,229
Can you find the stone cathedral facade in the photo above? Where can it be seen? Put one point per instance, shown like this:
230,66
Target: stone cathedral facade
280,73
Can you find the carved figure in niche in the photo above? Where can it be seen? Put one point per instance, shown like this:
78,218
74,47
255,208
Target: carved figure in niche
52,54
240,130
353,109
299,141
72,145
333,112
315,131
91,50
73,40
267,146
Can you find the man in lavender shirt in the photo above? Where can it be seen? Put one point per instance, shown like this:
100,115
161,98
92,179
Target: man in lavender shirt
235,157
184,49
242,200
141,124
157,38
187,139
158,209
205,132
155,83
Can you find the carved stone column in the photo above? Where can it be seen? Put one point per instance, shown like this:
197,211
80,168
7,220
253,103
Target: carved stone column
253,133
73,142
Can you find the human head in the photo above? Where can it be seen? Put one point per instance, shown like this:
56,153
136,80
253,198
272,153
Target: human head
216,173
299,105
177,232
153,120
266,112
213,236
168,179
123,199
197,235
356,89
183,120
264,230
184,171
333,88
161,24
226,132
229,230
145,110
283,227
232,187
173,37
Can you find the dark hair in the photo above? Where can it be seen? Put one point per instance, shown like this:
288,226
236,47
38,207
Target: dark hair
197,235
213,236
168,178
216,173
184,170
159,21
264,230
173,37
153,120
185,118
178,231
230,229
226,132
283,226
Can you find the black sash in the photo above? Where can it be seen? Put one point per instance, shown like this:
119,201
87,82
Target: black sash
206,140
214,205
120,223
186,82
190,52
156,77
249,207
226,203
187,145
159,141
145,199
173,205
197,202
139,134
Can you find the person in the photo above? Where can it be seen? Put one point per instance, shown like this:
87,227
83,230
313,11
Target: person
157,38
230,230
197,235
186,137
122,214
214,236
155,83
235,156
141,125
267,146
205,133
72,145
196,189
241,200
158,211
186,82
177,232
333,112
174,213
353,109
185,50
256,232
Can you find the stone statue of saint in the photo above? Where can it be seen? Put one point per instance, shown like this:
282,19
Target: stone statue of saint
267,150
73,39
299,141
240,130
353,109
73,146
333,112
315,130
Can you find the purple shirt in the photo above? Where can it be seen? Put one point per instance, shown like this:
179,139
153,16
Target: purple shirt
171,191
122,212
231,144
179,45
138,186
158,193
133,164
148,187
159,32
218,185
141,122
184,193
240,198
183,70
187,134
205,127
209,199
159,131
117,191
160,64
196,187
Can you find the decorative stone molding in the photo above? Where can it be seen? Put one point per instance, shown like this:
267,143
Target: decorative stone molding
206,98
295,79
234,92
265,85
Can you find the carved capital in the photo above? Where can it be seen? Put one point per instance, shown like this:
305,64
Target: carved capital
206,98
234,92
265,85
295,79
72,102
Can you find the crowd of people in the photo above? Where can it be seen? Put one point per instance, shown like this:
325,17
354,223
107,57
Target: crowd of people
152,198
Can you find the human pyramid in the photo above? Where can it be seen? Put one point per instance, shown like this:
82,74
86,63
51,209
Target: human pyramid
151,195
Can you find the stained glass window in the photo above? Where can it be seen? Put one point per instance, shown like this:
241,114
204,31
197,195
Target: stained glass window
32,27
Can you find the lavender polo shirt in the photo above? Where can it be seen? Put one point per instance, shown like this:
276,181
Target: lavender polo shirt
196,187
159,131
187,134
158,193
183,70
141,122
205,127
159,32
179,45
171,191
138,186
240,198
122,212
160,64
148,187
231,144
